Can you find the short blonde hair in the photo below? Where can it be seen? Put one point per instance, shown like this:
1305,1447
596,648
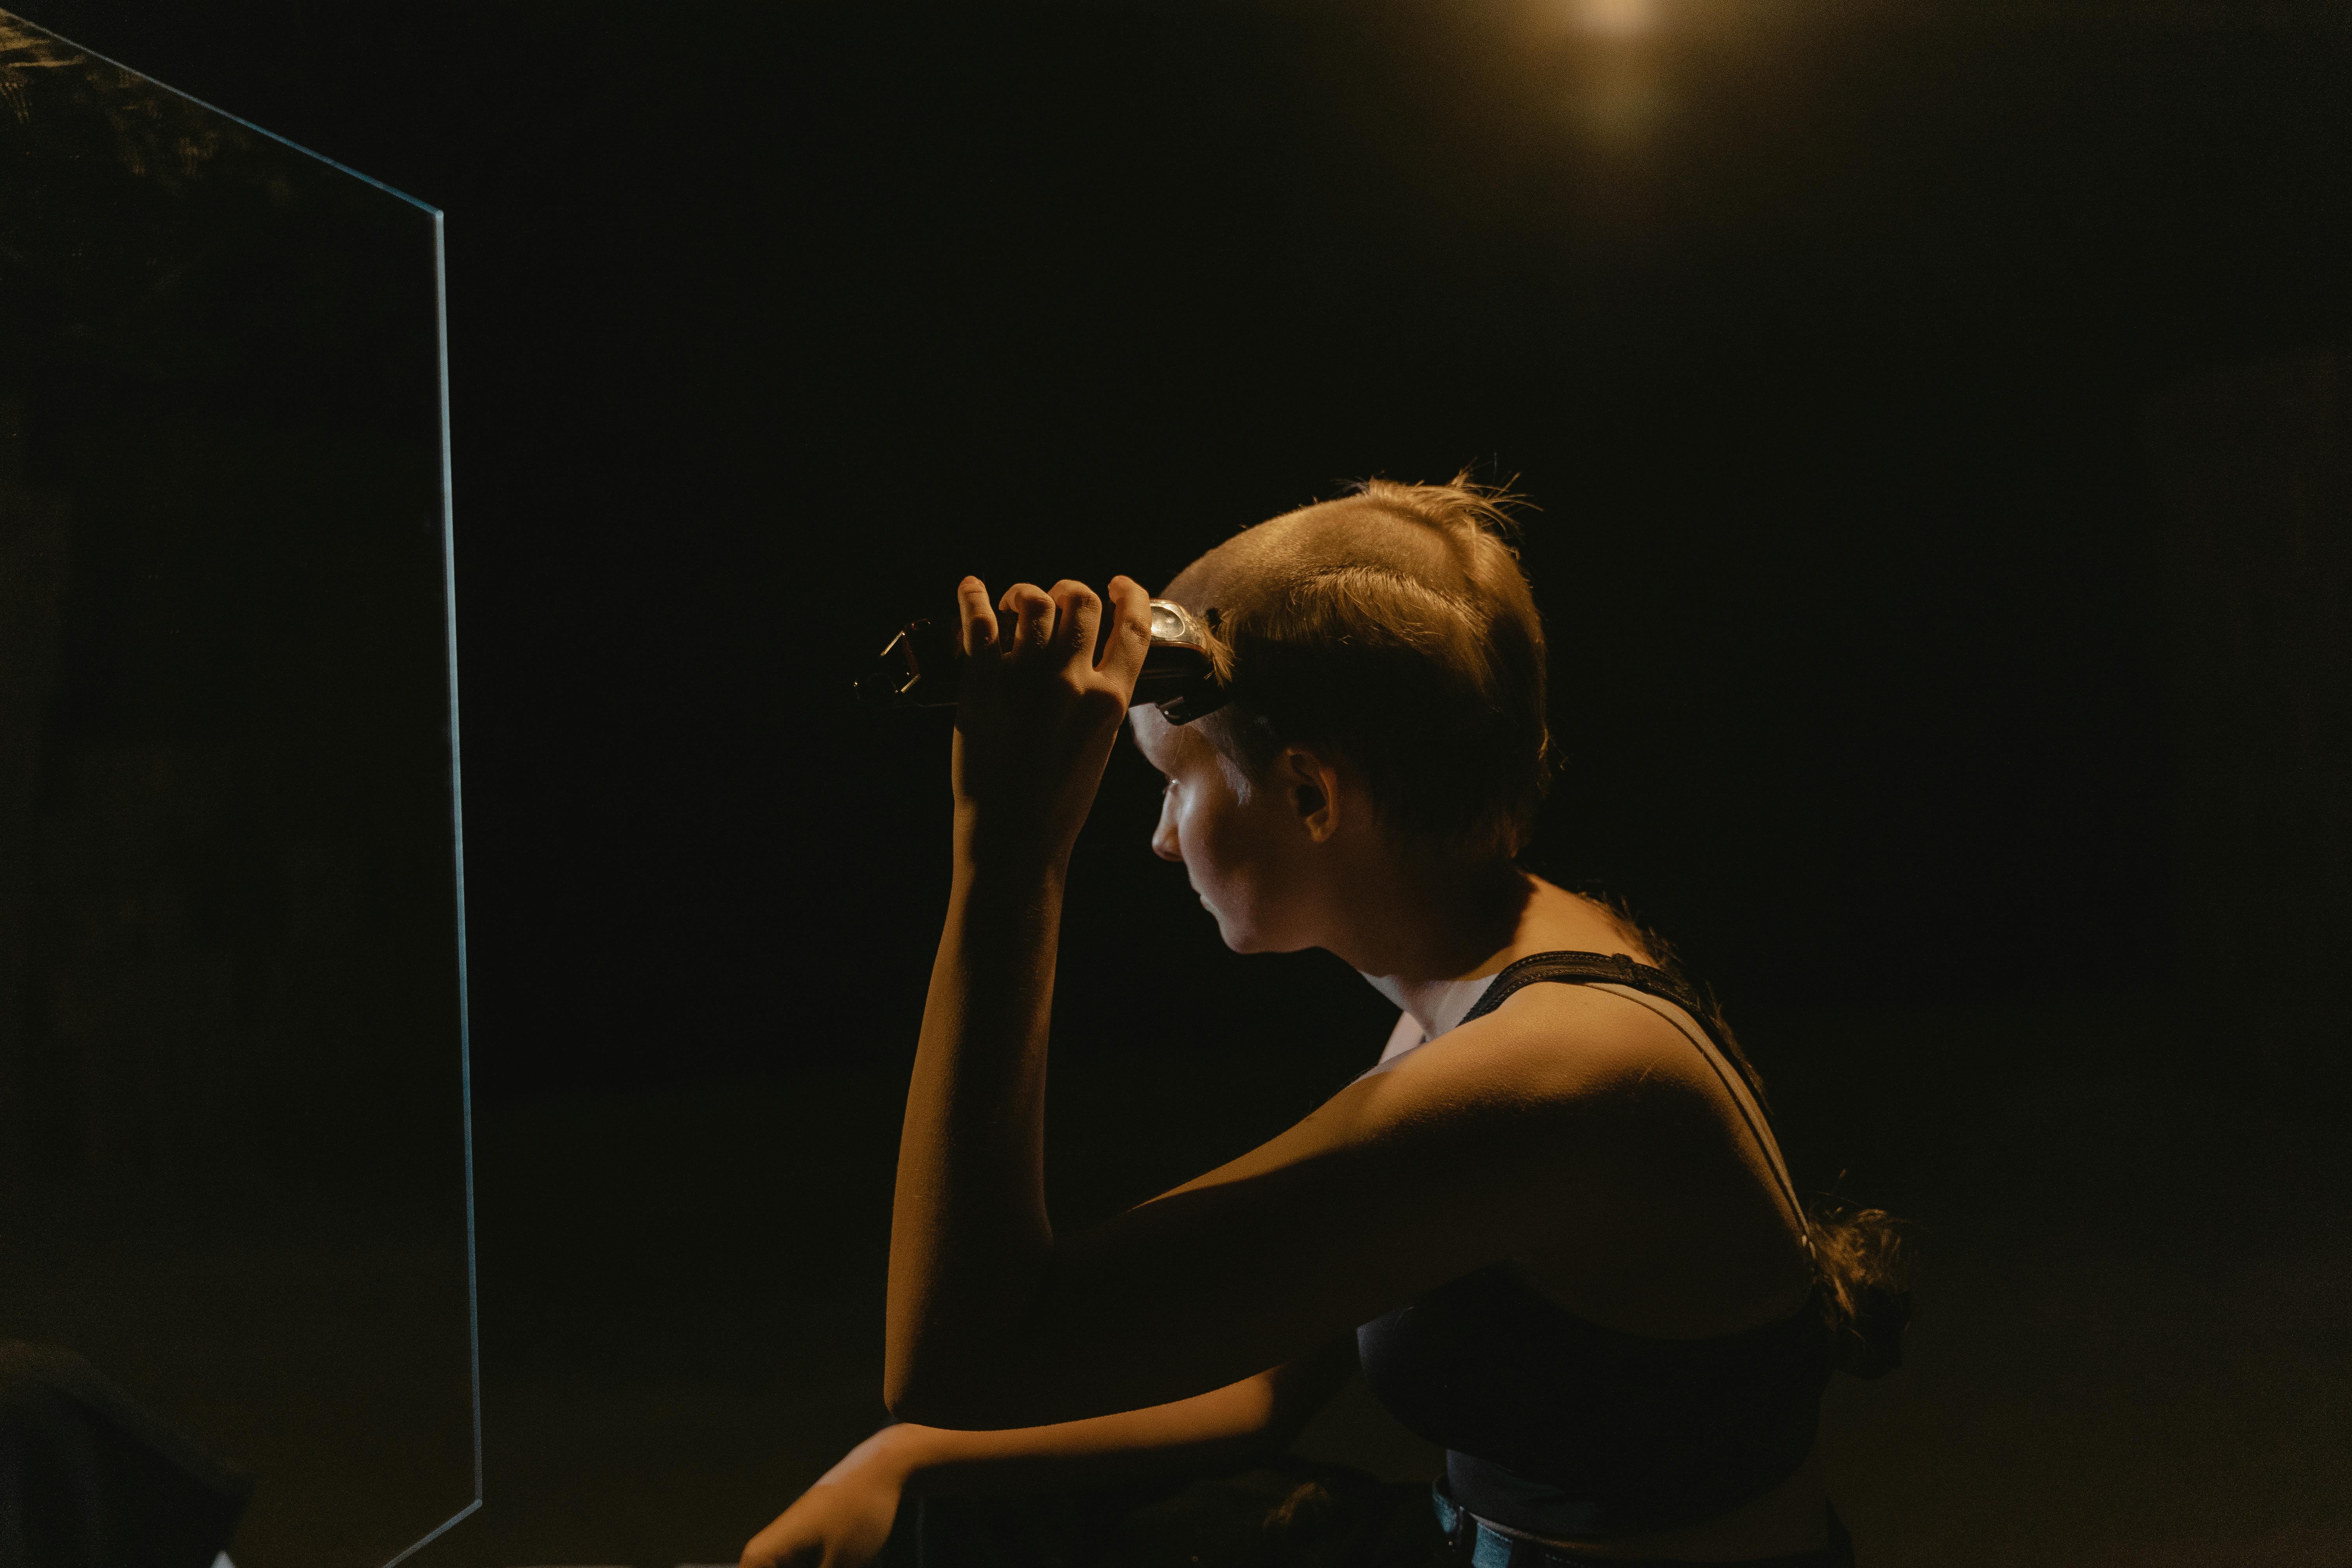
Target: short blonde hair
1393,626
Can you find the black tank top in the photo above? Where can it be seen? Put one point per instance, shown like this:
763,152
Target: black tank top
1560,1427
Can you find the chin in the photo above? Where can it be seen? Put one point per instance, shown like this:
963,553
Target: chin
1237,936
1242,938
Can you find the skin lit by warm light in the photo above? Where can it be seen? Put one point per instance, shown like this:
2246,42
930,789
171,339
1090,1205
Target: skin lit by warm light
1616,18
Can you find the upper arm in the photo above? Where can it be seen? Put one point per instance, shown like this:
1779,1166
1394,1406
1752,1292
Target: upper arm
1450,1160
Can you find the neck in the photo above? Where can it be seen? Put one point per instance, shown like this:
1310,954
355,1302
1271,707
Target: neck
1419,928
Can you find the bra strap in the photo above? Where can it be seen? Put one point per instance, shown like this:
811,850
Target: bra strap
1583,969
1622,969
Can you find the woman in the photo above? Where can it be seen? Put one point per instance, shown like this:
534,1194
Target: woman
1551,1220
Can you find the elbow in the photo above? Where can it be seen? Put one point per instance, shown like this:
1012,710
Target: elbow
967,1382
975,1394
912,1402
1281,1423
925,1397
1281,1429
926,1407
907,1398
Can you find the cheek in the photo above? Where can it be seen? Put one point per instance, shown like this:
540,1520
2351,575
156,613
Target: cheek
1200,832
1216,828
1232,858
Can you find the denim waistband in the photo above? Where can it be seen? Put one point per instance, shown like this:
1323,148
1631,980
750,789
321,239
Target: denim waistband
1481,1544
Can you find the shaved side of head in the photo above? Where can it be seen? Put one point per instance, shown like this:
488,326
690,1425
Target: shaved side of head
1394,627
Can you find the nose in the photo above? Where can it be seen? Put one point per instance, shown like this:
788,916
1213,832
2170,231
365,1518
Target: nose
1163,836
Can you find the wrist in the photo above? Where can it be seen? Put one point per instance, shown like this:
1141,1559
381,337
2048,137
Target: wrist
902,1454
885,1459
1001,854
1008,839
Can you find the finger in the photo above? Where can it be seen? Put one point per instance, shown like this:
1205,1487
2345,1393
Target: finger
1130,632
1077,612
977,621
1034,612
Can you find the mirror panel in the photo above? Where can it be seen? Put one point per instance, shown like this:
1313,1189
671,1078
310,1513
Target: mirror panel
234,1126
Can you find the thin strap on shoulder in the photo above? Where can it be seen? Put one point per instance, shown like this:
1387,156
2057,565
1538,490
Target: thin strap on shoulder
1584,968
1623,968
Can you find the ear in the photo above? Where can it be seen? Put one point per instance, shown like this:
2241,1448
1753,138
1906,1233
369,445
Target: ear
1311,785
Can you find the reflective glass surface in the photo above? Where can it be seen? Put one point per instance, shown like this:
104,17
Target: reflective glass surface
234,1145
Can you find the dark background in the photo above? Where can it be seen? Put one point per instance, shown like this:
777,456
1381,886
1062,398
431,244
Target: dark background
1828,373
1939,443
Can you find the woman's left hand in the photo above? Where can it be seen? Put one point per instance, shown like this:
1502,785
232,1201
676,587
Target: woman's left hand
840,1524
1037,715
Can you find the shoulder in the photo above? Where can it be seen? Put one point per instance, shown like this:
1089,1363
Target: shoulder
1570,1045
1559,1075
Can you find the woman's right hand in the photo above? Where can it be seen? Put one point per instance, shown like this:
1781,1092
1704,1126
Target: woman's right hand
843,1522
1035,715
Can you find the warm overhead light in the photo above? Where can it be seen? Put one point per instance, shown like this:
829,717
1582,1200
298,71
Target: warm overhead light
1616,18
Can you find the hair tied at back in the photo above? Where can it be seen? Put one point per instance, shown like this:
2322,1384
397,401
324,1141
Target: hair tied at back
1862,1255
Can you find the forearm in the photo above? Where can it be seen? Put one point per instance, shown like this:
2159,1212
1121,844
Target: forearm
1225,1426
969,1240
